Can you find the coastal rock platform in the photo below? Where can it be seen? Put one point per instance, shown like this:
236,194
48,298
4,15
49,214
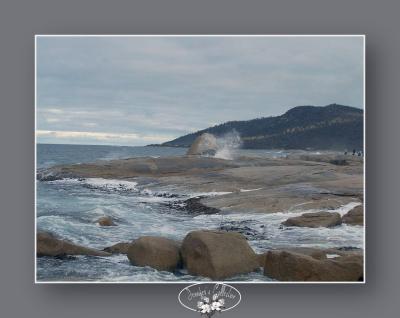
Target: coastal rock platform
248,184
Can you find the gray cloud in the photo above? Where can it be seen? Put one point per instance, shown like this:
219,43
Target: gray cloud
130,90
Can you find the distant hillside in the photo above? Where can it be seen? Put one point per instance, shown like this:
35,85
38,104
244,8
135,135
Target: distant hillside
304,127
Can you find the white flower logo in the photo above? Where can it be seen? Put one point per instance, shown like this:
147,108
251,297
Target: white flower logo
209,309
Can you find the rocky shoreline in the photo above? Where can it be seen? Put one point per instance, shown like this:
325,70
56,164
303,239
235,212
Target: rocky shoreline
219,255
244,185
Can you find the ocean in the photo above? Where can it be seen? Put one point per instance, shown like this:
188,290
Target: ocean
69,208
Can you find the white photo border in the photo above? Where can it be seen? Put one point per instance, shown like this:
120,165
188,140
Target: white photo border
363,36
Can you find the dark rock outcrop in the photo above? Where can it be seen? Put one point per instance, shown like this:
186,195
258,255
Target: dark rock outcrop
49,245
339,162
217,254
157,252
355,216
48,177
192,206
291,266
317,219
249,228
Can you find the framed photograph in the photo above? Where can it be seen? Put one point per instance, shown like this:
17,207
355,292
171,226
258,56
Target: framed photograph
187,159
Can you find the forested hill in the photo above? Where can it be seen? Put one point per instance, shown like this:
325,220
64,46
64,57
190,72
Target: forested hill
304,127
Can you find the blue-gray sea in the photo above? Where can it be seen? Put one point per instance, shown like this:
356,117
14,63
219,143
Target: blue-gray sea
69,208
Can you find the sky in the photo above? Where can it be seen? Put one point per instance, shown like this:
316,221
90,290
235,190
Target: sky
136,91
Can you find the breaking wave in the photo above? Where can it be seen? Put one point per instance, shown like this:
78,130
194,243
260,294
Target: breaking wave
99,184
228,145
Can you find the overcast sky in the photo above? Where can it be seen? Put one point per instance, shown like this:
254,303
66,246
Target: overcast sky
141,90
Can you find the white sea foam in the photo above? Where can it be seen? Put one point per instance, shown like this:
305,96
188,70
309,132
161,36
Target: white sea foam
111,184
332,256
154,199
269,226
347,207
208,194
100,183
250,190
228,145
144,214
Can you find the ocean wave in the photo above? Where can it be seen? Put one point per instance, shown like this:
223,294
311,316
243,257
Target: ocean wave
99,183
264,231
250,190
207,194
138,211
116,268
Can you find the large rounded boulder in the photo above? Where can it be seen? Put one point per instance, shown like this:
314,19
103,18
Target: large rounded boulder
157,252
48,245
205,144
355,216
290,266
316,219
218,254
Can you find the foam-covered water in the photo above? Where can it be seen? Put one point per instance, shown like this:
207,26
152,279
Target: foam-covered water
70,208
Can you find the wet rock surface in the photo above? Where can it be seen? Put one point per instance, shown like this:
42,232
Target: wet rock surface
355,216
192,206
49,245
309,182
317,219
252,230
